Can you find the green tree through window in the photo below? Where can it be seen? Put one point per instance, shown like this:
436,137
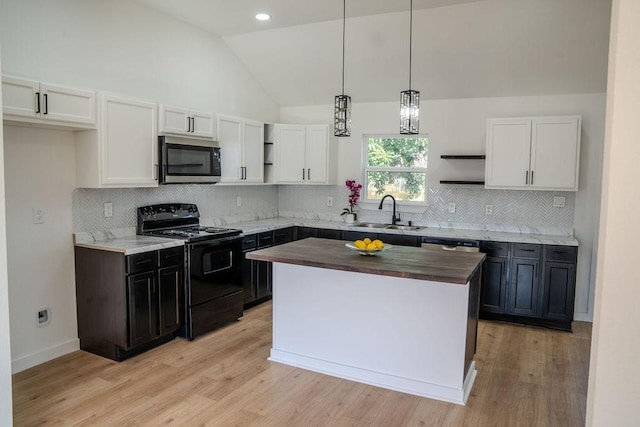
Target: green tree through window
396,166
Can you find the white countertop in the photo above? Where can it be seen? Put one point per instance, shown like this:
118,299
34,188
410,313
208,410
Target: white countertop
259,226
127,242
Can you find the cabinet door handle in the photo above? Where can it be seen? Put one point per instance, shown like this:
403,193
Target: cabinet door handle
526,177
46,103
38,102
244,172
531,177
193,125
177,297
527,250
303,174
309,174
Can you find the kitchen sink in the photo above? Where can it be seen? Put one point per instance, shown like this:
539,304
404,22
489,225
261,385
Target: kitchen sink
388,226
371,225
403,227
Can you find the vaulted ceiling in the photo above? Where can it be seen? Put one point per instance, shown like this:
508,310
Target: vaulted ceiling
461,48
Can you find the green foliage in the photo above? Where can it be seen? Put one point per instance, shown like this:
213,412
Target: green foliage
398,152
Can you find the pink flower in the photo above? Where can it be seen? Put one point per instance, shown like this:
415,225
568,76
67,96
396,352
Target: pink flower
354,195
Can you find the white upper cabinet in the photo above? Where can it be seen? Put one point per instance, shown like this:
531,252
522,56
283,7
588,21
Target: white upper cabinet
182,121
31,101
241,149
534,153
304,154
123,152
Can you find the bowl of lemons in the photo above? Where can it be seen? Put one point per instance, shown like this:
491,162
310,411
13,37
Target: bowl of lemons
367,246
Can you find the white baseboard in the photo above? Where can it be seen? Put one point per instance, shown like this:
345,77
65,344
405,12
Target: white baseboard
583,317
34,359
379,379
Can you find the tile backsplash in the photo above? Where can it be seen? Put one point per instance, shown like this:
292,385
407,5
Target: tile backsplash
214,201
218,203
510,207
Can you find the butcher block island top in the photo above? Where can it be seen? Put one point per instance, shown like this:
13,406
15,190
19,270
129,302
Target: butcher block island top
398,261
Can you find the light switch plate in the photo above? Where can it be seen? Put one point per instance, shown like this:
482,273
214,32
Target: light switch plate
38,216
108,210
488,210
452,207
238,201
558,201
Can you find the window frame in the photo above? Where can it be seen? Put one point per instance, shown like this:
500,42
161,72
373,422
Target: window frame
366,168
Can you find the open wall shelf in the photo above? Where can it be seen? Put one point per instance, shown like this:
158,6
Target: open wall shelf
463,156
443,181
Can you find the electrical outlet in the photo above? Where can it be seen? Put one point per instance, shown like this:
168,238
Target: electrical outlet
329,201
452,207
488,210
238,201
38,216
108,210
558,201
43,317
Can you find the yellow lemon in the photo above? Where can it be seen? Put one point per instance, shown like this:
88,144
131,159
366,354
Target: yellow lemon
378,243
372,247
367,240
360,244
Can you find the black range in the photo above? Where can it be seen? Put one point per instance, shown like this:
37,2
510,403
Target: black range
213,267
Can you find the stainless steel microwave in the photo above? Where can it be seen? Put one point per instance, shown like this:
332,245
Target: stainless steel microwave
188,160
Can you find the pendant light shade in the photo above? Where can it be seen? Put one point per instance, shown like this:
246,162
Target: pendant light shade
410,99
342,108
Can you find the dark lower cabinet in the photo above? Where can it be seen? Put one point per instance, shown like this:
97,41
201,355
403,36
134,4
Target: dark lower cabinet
529,283
142,297
327,233
128,304
171,298
358,235
559,293
524,287
400,239
494,285
304,232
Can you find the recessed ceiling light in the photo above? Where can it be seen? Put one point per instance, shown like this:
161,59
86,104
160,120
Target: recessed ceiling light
263,17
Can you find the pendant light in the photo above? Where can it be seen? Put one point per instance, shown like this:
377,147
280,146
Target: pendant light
342,109
410,99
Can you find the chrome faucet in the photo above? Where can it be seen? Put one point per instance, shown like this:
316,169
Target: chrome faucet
394,219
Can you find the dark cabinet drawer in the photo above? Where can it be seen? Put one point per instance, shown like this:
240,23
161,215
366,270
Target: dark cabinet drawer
284,235
400,239
325,233
561,253
527,250
138,263
249,242
265,239
171,257
495,249
304,232
358,235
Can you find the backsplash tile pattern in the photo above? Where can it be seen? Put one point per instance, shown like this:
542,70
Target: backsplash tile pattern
214,202
510,207
217,205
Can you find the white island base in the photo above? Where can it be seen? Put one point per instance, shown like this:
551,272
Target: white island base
403,334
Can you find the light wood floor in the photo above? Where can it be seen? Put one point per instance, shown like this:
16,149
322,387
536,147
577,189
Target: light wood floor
526,376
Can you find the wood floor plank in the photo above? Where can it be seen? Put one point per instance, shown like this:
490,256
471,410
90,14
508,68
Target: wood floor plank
526,376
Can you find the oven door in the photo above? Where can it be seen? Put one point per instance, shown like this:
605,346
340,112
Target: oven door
215,269
189,161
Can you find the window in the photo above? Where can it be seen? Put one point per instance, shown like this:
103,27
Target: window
396,165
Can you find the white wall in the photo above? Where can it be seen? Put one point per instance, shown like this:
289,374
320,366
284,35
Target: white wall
458,126
40,173
123,47
6,407
117,46
614,376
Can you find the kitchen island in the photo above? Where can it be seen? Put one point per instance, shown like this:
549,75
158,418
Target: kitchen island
404,319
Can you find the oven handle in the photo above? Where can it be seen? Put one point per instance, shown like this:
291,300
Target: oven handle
216,242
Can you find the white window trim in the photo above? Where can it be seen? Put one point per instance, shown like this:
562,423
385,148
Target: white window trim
407,206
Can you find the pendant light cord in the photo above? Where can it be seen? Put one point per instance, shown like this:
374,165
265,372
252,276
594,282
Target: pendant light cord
410,38
344,19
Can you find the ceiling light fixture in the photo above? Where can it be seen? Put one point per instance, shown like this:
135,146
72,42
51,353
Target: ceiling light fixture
263,16
410,99
342,109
